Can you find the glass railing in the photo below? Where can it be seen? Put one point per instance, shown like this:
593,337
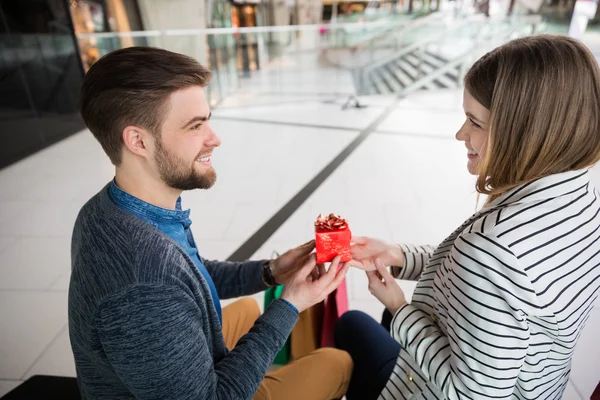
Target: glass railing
266,65
437,57
259,64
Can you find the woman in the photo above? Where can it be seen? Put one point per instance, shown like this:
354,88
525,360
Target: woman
500,304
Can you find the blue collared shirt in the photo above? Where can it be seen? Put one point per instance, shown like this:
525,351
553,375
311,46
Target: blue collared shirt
174,223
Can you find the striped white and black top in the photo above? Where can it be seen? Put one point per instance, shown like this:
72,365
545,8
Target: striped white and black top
500,304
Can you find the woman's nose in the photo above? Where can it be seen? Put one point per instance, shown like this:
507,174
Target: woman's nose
462,134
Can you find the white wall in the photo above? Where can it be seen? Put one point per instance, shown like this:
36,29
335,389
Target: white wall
177,14
310,12
280,11
173,14
585,374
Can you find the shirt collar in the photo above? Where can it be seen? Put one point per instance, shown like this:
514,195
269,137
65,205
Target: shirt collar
149,212
545,188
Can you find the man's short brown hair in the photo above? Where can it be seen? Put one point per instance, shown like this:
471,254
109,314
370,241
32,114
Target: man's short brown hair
131,87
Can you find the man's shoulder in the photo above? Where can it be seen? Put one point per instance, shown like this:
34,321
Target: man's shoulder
95,215
102,225
115,248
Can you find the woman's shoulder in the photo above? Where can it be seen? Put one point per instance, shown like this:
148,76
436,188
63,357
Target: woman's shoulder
542,216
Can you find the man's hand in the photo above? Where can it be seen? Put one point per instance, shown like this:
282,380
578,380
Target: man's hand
366,250
383,286
304,290
287,264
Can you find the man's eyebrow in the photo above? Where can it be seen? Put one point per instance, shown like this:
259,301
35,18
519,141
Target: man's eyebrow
197,119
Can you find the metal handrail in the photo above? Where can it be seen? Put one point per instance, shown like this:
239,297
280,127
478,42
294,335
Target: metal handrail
362,73
411,47
433,17
393,33
452,65
391,28
226,31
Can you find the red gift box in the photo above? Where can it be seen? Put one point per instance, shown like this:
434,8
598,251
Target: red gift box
333,238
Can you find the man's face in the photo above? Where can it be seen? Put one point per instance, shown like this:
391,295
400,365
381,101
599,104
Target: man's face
183,151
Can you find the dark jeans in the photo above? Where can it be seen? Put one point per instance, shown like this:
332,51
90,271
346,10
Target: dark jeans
373,351
386,320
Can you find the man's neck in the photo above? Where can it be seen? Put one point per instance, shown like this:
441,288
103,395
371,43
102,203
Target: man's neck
147,189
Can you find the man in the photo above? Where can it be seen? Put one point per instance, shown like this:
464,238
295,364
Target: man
145,318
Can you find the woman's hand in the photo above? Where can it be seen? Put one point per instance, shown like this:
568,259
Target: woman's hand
366,250
383,286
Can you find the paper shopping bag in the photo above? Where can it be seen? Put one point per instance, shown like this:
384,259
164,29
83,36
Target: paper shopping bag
283,356
335,305
306,336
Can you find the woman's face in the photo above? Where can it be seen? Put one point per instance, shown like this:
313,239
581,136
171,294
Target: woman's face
474,131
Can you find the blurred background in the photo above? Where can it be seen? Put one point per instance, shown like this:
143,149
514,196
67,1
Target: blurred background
323,106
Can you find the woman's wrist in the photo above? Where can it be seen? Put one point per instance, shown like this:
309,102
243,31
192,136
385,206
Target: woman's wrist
393,309
396,260
396,256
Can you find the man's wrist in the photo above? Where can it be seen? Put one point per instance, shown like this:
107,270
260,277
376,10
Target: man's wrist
267,274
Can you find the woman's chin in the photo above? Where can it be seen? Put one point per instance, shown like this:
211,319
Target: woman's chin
472,167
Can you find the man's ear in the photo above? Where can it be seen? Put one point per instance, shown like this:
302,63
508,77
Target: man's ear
137,141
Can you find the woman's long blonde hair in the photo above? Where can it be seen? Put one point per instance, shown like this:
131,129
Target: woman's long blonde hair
543,93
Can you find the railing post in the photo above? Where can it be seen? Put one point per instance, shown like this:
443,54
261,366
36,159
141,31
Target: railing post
461,73
361,81
420,52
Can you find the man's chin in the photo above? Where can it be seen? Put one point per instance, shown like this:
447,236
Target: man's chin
207,185
207,179
194,181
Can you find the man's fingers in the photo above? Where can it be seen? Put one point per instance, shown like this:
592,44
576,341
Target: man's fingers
339,277
315,274
322,269
334,266
307,247
309,265
301,250
329,275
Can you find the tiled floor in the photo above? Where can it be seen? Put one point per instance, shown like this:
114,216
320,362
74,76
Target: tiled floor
406,182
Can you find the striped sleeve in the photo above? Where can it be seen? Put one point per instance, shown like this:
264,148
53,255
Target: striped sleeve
487,331
415,259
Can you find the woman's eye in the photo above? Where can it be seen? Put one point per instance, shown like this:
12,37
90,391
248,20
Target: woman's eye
196,127
474,123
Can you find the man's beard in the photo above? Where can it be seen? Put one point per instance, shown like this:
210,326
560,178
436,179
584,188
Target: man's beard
178,175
